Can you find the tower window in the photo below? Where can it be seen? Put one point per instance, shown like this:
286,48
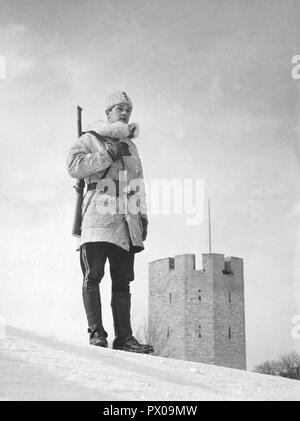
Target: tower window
170,297
229,333
229,296
168,332
199,294
200,334
171,264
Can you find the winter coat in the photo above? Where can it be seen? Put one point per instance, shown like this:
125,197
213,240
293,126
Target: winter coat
107,216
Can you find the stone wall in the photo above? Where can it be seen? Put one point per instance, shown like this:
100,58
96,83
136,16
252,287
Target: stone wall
198,315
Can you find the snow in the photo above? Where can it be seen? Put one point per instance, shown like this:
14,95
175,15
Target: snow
37,367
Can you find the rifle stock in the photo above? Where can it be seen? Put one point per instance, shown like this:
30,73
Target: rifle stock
79,188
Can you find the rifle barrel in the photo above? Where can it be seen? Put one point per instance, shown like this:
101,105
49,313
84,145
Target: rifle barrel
79,187
79,124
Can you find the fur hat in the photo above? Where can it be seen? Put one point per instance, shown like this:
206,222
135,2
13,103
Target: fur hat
119,97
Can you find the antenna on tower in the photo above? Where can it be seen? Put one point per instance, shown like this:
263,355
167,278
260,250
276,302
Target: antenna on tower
209,227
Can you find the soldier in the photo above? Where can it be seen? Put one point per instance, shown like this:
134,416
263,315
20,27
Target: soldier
114,218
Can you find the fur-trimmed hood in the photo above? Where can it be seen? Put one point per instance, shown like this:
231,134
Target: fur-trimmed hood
115,130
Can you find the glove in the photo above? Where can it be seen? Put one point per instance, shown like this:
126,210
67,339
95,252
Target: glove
117,150
144,221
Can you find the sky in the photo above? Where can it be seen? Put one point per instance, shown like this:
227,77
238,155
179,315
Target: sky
214,97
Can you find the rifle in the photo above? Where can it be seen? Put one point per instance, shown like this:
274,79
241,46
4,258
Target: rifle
79,187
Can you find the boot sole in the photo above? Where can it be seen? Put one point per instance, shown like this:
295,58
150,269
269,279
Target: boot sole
149,351
100,345
139,352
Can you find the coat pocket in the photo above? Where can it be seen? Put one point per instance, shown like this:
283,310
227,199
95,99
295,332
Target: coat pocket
100,221
107,221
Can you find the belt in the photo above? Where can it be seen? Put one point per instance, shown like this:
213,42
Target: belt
92,186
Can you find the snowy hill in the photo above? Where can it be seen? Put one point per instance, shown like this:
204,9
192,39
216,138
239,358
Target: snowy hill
36,367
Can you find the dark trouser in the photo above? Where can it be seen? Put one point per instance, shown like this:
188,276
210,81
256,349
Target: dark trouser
93,257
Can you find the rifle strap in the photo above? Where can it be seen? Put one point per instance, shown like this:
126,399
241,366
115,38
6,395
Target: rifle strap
97,135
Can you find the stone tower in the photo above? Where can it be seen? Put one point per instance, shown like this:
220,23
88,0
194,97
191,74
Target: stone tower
198,315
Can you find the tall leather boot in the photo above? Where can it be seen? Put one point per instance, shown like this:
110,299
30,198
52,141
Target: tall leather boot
92,305
124,340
